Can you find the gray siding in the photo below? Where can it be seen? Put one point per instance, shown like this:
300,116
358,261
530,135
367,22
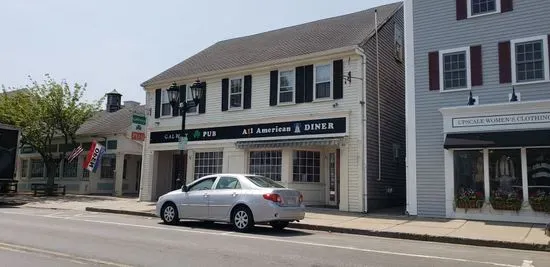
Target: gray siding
392,119
529,18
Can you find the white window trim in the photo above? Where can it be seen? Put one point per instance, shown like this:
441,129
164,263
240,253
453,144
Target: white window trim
468,70
293,71
497,10
315,81
164,92
188,97
229,94
545,57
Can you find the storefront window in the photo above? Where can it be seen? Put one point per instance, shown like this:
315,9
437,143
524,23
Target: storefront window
207,163
306,166
538,178
108,166
505,176
266,163
469,179
69,169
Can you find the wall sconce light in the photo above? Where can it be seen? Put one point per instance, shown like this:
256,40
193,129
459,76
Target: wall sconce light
514,97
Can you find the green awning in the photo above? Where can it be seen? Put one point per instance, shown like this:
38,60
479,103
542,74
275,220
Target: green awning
290,143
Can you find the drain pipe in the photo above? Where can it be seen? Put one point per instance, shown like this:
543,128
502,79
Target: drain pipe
361,53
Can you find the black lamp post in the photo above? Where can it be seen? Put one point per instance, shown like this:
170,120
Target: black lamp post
174,93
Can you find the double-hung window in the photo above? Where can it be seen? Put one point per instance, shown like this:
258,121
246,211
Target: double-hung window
323,81
455,70
166,108
193,109
530,60
286,86
483,7
236,93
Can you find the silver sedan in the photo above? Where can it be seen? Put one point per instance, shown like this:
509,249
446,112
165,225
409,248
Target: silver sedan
239,199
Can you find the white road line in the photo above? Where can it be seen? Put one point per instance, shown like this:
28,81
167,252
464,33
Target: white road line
81,260
290,242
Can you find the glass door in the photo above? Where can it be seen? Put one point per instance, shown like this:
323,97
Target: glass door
332,180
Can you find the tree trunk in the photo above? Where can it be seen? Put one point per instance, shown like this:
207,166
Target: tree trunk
51,166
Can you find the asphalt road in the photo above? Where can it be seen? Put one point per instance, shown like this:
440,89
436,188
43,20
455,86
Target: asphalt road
39,237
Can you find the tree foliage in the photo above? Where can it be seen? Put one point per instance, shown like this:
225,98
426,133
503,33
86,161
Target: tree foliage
45,112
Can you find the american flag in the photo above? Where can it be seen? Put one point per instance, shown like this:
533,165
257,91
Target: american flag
71,156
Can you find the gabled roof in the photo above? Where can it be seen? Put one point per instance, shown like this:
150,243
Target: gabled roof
317,36
108,123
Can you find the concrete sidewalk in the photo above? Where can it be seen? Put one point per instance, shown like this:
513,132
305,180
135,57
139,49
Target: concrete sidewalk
480,233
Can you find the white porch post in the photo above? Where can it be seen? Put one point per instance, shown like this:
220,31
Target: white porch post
524,180
486,180
118,174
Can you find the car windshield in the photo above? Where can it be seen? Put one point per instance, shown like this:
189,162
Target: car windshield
263,181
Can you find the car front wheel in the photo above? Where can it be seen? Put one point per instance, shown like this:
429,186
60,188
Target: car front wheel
169,213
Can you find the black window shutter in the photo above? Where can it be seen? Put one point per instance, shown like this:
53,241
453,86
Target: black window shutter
273,87
202,101
338,79
506,5
247,92
225,93
300,83
433,70
308,95
158,95
461,9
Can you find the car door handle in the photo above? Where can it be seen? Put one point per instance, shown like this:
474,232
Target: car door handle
205,195
234,194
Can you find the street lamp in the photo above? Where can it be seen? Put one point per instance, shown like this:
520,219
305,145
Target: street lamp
177,102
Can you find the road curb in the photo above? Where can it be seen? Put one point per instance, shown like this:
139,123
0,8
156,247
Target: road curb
386,234
423,237
125,212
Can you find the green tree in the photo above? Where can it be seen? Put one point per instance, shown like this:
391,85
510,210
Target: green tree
45,112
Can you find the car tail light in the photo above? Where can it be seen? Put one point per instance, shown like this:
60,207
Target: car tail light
273,197
301,199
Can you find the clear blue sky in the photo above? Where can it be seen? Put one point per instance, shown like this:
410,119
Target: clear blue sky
119,44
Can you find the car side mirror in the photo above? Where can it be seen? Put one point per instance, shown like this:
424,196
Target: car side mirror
184,188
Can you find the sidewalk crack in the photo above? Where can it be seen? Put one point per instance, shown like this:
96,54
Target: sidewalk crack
464,223
529,232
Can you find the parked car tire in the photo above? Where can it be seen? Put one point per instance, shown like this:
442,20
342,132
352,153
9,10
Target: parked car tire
279,225
169,213
242,219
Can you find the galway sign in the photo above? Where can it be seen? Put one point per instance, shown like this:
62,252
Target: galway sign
280,129
480,121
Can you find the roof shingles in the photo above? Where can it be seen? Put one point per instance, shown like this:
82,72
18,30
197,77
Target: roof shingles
317,36
105,123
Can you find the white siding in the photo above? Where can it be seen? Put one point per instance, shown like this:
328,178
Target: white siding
260,111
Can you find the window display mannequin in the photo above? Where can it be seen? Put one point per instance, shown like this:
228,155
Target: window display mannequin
505,172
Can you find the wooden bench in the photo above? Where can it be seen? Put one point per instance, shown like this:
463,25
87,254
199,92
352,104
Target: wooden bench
8,186
42,188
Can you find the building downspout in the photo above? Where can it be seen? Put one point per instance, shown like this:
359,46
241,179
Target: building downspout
361,53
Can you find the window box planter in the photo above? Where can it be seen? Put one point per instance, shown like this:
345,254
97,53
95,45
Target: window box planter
540,201
506,204
469,203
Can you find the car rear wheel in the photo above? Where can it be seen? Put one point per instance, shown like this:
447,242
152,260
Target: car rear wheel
169,213
242,219
279,225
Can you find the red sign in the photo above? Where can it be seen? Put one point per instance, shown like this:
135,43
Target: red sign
138,136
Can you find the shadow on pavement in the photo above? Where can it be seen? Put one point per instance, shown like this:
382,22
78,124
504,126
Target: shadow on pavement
22,199
259,229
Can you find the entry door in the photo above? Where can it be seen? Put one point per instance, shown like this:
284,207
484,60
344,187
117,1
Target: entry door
180,170
138,175
334,178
